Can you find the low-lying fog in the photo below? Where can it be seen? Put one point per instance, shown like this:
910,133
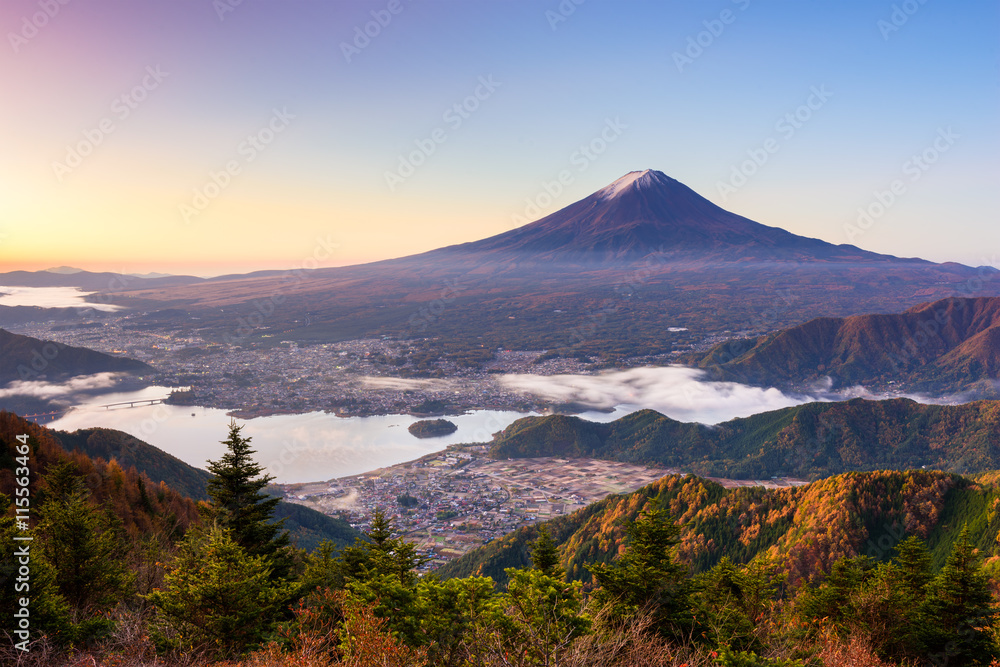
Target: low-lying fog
679,392
50,297
316,446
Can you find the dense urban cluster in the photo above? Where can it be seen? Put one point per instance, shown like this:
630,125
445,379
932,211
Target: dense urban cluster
348,378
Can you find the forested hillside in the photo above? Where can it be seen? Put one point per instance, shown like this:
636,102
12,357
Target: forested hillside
107,444
806,528
947,346
27,358
884,567
305,526
806,441
144,507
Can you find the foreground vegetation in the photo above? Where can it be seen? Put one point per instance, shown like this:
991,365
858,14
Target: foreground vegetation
147,582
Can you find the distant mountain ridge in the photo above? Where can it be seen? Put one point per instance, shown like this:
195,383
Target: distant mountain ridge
806,441
951,345
65,276
630,266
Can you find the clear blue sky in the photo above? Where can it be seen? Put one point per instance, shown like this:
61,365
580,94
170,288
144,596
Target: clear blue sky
143,198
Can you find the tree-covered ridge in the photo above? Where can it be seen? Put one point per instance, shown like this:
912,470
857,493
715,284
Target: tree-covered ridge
306,527
805,529
806,441
144,507
27,358
882,568
946,346
128,450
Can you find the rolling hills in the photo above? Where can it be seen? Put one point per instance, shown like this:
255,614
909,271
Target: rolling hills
804,528
948,346
806,441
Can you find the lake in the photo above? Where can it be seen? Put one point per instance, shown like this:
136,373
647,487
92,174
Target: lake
294,448
317,446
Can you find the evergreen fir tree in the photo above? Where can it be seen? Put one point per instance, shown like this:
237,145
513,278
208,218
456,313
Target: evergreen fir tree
49,611
382,570
914,562
216,596
85,544
381,553
960,609
545,555
239,505
538,617
647,577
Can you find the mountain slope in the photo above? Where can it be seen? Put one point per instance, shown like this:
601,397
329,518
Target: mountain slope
640,255
27,358
807,528
306,526
647,212
806,441
949,345
142,483
128,451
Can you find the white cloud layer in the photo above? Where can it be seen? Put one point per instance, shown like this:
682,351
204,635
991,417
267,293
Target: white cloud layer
60,391
678,392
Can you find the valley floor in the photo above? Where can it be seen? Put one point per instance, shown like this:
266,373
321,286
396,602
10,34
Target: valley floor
464,498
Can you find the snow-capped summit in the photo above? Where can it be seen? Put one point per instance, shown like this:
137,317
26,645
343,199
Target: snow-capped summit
647,212
647,178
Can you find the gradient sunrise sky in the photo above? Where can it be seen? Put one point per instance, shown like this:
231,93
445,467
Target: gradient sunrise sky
116,113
